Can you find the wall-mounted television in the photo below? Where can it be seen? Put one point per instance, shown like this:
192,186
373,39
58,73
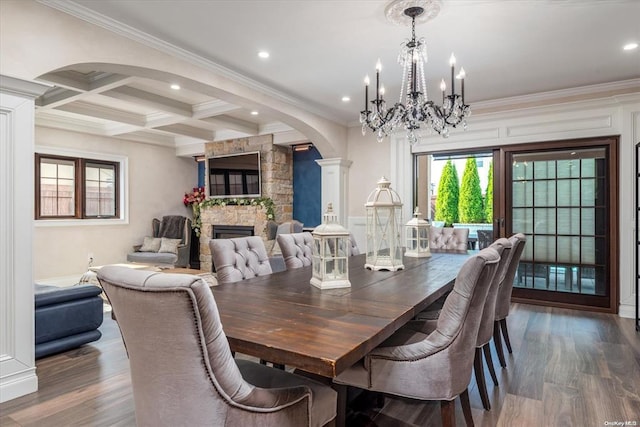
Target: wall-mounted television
235,175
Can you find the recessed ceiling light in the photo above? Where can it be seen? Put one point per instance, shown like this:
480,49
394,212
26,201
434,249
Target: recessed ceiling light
630,46
346,99
263,54
254,113
175,86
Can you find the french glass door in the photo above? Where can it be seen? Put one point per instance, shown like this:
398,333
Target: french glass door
562,197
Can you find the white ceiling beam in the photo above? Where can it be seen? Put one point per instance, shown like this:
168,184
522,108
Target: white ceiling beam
226,122
149,138
105,113
66,81
289,138
56,97
137,96
186,130
213,108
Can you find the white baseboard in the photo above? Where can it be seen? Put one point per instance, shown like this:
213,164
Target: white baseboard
627,310
18,384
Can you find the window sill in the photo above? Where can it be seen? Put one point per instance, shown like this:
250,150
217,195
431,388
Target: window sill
79,222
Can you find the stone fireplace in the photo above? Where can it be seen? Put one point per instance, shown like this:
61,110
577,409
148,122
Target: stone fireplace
276,167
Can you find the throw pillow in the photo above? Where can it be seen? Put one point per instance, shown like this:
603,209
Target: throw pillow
169,245
150,244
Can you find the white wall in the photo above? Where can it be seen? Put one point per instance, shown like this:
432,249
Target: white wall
610,114
157,181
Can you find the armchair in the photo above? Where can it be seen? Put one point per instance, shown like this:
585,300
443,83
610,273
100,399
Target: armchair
170,243
182,369
433,360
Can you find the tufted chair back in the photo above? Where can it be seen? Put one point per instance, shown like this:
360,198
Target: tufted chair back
239,258
447,238
503,301
432,360
296,249
182,369
503,248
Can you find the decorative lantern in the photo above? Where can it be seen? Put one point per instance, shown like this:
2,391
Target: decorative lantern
417,237
384,222
330,258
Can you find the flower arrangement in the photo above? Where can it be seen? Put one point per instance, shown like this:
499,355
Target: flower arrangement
197,199
194,199
197,196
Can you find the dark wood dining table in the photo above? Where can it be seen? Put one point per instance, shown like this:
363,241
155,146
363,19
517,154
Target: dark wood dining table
283,319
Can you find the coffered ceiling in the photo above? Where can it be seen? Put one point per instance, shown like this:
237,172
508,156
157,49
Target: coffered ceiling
320,52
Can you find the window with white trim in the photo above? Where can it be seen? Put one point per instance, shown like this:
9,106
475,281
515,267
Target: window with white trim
76,188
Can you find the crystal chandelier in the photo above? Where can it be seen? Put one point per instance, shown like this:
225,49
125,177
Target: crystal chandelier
417,109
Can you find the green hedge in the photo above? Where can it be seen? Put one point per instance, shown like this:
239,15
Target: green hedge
448,192
470,206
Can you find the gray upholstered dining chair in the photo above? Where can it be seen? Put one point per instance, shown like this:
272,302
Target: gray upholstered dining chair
182,370
447,238
239,258
432,360
297,249
485,333
503,301
353,246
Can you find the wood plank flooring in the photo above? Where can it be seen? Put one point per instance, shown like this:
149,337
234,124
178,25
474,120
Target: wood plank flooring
568,368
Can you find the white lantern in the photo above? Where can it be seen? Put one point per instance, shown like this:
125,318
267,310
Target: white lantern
330,259
417,237
384,222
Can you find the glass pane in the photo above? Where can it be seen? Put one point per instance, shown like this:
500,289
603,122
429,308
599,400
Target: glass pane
588,192
66,171
545,193
588,250
588,221
568,221
545,221
588,167
522,221
49,170
569,249
542,169
564,168
569,192
92,174
544,248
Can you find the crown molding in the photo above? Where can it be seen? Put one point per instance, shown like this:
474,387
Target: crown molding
92,17
552,97
21,87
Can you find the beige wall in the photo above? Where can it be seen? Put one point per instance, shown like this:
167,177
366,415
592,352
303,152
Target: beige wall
157,182
370,162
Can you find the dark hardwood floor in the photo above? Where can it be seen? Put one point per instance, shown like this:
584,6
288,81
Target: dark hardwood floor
568,368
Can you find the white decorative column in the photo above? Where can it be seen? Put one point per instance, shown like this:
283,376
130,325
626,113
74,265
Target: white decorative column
17,363
401,172
334,181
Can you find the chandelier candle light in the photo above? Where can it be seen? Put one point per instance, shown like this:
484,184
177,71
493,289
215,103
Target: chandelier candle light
417,109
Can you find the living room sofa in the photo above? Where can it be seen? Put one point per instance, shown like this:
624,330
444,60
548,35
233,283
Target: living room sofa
66,318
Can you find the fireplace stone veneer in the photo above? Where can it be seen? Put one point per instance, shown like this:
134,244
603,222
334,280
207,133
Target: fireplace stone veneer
245,216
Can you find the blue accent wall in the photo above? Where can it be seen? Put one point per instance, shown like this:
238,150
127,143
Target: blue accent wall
306,187
201,174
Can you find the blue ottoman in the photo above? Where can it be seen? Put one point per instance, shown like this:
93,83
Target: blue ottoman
66,318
